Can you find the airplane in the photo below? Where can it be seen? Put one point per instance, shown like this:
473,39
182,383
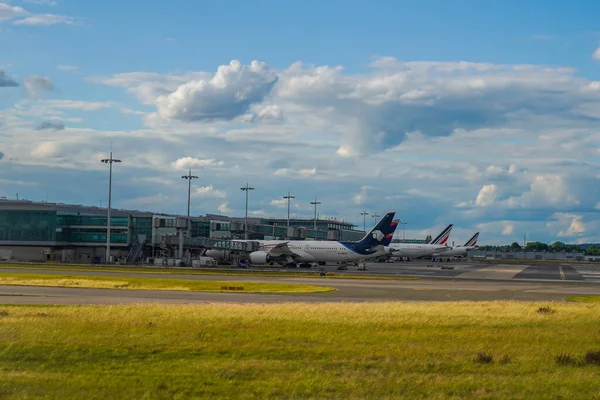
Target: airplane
305,252
415,250
460,250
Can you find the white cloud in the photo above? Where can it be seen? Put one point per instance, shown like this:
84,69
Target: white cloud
68,68
361,197
572,222
45,20
8,12
292,173
508,229
486,196
36,85
41,2
281,203
269,113
76,104
223,208
545,190
596,54
46,150
209,191
228,94
191,162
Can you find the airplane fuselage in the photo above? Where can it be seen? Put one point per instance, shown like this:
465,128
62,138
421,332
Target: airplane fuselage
325,251
415,250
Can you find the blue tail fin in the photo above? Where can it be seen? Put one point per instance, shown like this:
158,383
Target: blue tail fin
380,231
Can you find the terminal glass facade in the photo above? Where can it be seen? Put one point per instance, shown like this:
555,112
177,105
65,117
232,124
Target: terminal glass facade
39,226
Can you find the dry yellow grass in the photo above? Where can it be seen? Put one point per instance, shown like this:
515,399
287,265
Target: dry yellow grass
299,351
122,282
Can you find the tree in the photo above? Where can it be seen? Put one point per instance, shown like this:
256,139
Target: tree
515,247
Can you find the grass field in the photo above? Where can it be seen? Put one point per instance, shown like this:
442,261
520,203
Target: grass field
124,282
225,270
584,299
299,351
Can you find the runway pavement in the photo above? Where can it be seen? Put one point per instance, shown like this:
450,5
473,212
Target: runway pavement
465,282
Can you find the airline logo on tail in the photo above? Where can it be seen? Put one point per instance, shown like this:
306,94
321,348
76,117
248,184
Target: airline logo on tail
388,238
473,241
443,237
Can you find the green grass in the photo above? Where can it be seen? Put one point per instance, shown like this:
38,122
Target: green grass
584,299
231,270
299,351
124,282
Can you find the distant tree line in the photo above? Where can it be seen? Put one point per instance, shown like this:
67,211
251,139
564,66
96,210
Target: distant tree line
556,247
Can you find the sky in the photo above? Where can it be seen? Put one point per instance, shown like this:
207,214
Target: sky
485,115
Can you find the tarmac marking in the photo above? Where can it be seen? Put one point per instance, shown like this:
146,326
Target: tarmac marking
501,271
562,274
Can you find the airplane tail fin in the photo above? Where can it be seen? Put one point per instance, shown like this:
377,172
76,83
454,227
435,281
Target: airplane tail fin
473,241
388,238
377,235
443,237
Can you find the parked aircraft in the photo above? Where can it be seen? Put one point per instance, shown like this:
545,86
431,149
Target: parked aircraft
460,250
414,250
304,252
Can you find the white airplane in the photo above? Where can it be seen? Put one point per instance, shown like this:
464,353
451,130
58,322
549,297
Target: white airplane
305,252
460,250
414,250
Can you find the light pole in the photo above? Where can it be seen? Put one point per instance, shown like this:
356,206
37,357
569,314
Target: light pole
364,214
403,230
110,162
375,216
288,198
246,189
189,178
315,223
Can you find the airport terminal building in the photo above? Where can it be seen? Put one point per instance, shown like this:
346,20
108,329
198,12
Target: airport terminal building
41,231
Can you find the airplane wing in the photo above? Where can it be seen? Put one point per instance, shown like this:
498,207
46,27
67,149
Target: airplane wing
281,249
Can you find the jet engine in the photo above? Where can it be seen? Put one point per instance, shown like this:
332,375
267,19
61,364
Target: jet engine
259,257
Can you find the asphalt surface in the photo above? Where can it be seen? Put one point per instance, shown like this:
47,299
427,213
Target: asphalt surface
467,281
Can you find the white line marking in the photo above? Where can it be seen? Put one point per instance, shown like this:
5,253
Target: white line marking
562,274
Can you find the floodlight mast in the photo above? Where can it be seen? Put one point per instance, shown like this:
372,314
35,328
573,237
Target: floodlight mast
110,162
315,220
246,189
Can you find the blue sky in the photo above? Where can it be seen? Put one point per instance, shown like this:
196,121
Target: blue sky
481,114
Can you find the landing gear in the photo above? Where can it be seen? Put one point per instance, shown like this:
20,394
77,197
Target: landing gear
305,265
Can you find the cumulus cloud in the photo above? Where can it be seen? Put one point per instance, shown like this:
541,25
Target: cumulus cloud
281,203
486,196
46,150
361,197
209,191
574,224
191,162
36,85
596,54
269,113
545,190
228,94
8,12
7,81
50,125
223,209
